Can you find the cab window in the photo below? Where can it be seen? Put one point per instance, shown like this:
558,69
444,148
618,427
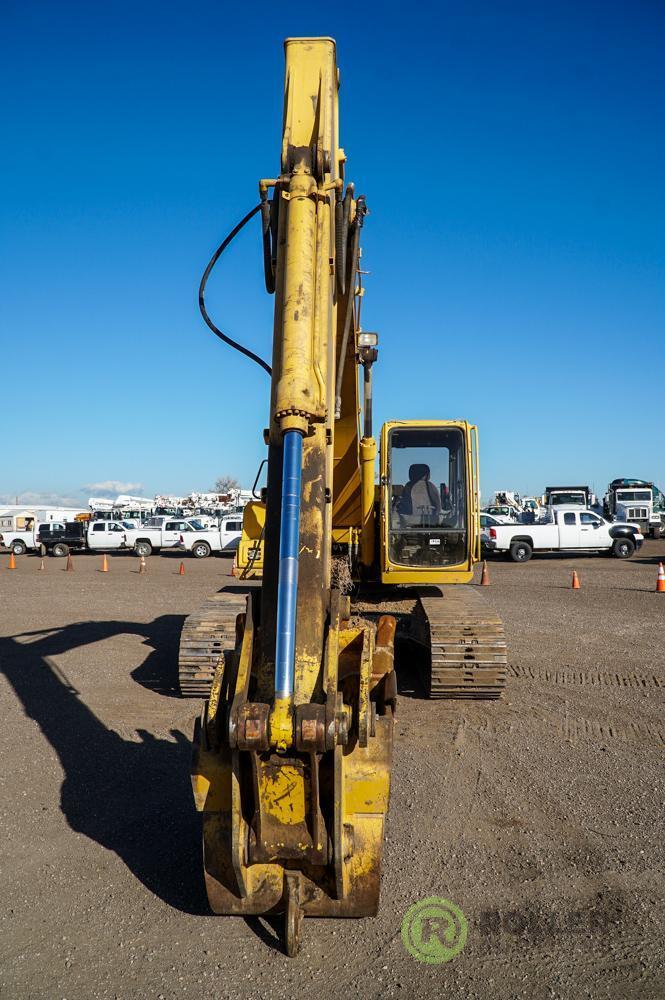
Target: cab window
589,519
427,483
569,519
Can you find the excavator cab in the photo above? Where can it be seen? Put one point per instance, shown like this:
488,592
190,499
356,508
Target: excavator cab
429,502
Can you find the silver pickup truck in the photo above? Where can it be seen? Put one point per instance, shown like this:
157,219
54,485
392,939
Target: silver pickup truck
571,530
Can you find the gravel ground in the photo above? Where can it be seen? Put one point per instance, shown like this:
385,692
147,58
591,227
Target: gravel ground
541,817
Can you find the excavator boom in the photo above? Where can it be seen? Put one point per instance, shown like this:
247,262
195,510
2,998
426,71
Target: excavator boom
292,754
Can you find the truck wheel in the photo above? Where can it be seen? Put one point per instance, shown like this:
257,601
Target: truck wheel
623,548
19,548
520,552
143,549
60,549
201,550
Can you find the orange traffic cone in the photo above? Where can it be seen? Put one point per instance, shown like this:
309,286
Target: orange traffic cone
142,565
41,564
12,560
660,582
181,571
485,578
576,581
70,563
105,564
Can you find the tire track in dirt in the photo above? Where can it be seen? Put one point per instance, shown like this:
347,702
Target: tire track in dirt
627,732
586,678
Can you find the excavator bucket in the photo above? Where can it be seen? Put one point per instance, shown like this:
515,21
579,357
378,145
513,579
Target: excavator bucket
299,832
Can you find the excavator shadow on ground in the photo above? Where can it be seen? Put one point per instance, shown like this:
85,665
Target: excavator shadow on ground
133,798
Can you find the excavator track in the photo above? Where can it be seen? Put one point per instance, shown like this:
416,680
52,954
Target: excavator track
467,643
206,635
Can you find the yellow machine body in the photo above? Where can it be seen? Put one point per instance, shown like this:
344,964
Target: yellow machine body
248,562
292,755
463,522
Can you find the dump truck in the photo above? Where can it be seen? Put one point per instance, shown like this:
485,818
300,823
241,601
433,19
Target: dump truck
638,501
292,754
568,496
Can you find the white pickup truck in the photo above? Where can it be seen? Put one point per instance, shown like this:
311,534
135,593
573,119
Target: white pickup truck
164,532
224,538
571,530
19,541
188,534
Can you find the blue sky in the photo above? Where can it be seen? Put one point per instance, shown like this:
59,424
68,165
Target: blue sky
513,157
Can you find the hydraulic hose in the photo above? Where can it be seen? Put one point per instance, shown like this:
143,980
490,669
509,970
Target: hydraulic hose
204,280
342,216
269,226
361,211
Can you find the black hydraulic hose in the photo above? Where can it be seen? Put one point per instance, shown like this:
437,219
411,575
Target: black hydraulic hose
270,227
360,218
256,495
342,216
268,269
204,280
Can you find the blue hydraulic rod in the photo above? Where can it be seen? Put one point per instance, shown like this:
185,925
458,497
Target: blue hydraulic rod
287,586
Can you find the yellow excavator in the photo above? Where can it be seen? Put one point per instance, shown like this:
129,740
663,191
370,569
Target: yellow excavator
292,754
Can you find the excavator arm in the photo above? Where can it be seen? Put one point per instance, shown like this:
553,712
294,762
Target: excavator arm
292,754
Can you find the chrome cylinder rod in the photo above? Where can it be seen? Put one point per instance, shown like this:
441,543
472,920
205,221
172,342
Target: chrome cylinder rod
287,585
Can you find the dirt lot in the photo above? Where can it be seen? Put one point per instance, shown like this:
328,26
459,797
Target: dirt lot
540,817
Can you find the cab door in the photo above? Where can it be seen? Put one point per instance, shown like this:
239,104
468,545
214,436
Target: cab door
172,531
115,535
97,537
569,530
590,534
429,505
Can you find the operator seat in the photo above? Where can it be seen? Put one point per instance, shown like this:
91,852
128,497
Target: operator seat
420,503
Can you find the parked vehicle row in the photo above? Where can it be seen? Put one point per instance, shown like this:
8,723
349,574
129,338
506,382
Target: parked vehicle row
59,538
190,535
